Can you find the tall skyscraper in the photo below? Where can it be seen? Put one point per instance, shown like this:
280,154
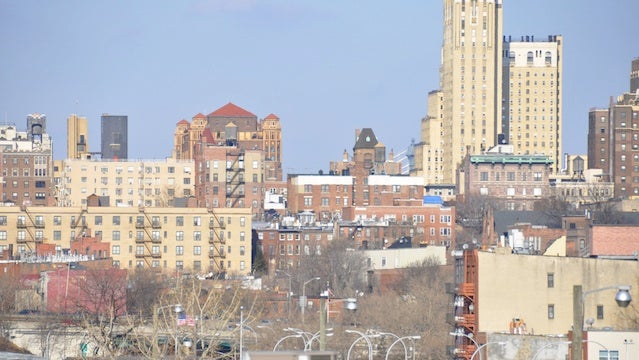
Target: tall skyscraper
532,93
77,137
470,80
114,137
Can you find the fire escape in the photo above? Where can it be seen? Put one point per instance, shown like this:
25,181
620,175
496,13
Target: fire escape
30,230
216,242
79,228
465,308
147,237
235,178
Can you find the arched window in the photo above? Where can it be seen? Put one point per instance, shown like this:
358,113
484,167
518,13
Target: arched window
548,57
529,57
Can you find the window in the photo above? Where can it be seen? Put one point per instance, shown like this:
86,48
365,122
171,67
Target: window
57,235
551,280
197,250
179,235
3,235
115,250
600,312
98,220
179,221
115,235
510,176
179,250
116,220
608,354
551,311
57,220
242,250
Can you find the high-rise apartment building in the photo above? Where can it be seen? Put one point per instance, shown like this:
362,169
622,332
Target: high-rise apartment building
532,93
77,137
470,79
613,141
114,137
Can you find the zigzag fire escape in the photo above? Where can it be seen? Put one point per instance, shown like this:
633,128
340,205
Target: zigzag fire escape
147,237
79,225
216,242
235,178
30,235
465,306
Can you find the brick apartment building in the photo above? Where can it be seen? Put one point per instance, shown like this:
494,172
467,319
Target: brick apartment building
512,182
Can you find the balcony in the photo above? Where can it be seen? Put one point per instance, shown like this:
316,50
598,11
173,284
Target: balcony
141,255
156,225
39,224
139,224
156,240
21,240
22,224
140,240
156,255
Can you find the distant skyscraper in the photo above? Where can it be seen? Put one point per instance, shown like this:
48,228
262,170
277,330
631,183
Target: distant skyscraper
470,80
634,76
532,93
114,137
77,137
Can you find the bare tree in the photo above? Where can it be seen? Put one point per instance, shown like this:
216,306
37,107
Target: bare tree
101,303
199,317
143,287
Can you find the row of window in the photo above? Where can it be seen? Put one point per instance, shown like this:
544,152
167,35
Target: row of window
116,220
39,235
179,250
179,264
131,169
510,176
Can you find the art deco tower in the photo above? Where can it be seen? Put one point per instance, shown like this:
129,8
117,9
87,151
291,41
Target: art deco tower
470,80
77,137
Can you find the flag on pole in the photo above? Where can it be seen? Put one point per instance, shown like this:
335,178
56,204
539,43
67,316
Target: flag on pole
185,320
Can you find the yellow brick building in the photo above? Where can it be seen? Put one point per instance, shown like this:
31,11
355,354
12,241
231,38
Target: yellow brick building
189,239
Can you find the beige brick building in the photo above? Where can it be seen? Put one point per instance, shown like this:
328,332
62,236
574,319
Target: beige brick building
532,92
193,239
126,183
470,81
493,288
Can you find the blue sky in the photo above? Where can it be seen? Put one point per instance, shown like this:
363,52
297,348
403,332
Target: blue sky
324,67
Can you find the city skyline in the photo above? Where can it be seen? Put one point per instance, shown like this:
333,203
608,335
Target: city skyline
337,65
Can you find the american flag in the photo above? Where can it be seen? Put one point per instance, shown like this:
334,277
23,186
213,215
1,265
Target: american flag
184,319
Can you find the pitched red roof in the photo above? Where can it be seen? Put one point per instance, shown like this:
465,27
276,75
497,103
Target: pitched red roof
231,110
199,116
182,122
271,117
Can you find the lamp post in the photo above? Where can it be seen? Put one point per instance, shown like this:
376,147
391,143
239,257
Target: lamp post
303,301
470,337
484,345
361,336
622,298
290,290
401,339
241,331
178,309
287,337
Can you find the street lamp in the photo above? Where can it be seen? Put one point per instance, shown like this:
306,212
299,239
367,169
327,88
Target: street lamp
470,337
484,345
303,301
287,337
361,336
622,298
289,292
241,331
401,339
